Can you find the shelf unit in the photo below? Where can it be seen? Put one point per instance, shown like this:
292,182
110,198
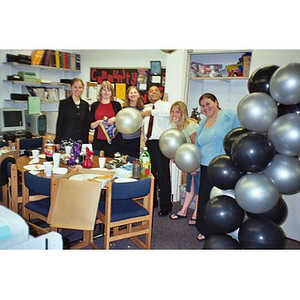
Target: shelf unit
54,72
228,90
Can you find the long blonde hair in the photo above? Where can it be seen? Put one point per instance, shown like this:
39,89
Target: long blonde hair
139,103
185,119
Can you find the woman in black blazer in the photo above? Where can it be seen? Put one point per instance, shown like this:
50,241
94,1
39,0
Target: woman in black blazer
105,108
73,113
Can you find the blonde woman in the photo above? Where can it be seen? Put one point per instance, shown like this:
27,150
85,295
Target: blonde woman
179,119
105,108
131,142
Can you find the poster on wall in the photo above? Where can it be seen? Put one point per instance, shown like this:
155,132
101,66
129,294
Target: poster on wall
123,78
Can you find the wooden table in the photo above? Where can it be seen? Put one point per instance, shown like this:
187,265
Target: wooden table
88,238
22,161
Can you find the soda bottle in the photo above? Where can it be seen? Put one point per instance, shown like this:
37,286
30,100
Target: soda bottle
145,163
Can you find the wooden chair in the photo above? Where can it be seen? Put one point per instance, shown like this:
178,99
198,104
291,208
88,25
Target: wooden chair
4,179
15,189
127,212
74,205
23,144
37,209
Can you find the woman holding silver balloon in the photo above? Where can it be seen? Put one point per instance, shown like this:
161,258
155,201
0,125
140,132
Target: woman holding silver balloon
179,119
131,142
209,139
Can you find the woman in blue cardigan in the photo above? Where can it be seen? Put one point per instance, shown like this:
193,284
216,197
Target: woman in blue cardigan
209,139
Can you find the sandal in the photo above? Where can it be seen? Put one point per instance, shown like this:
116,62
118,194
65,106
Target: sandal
192,222
200,237
176,217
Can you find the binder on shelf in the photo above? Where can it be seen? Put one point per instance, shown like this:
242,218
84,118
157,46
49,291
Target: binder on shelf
77,56
73,61
37,56
57,59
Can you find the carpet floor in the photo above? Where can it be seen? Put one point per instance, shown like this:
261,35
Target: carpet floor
167,235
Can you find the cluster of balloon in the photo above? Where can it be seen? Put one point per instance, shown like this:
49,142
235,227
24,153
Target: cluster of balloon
170,140
173,144
261,164
128,120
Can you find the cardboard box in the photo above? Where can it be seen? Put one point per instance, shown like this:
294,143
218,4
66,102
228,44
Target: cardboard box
246,65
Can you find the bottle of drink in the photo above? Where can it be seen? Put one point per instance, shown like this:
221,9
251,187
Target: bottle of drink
145,163
136,169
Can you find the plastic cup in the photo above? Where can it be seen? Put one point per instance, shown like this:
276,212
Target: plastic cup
56,160
48,169
102,162
68,150
35,153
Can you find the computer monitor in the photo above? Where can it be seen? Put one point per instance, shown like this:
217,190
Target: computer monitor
12,120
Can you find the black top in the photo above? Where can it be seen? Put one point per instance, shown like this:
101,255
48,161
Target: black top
73,121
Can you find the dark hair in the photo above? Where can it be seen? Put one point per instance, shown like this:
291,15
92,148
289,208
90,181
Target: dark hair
211,97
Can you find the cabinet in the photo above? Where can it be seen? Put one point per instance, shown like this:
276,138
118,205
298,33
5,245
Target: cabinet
48,86
213,78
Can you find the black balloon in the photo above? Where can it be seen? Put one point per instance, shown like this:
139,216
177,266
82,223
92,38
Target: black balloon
221,241
231,136
223,172
252,151
260,233
277,214
259,80
288,109
223,215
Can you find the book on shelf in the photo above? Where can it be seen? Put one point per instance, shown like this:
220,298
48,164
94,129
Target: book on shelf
55,58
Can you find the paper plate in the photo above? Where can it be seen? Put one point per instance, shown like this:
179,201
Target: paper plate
121,180
36,167
60,171
88,177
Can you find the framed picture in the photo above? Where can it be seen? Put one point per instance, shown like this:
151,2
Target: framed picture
155,67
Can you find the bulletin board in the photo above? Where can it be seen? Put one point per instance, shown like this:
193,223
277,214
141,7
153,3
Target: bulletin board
122,78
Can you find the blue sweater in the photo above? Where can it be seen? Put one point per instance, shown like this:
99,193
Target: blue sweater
210,141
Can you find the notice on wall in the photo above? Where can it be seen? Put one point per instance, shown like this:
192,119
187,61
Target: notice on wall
34,105
120,90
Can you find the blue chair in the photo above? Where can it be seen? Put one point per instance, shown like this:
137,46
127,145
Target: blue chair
127,212
38,209
15,188
4,143
23,144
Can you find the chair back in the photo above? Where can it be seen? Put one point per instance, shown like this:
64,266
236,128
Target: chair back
30,143
74,204
130,190
36,184
4,144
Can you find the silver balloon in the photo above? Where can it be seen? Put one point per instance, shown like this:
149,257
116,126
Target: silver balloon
170,140
285,172
285,134
128,120
215,192
188,157
285,84
256,193
257,111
